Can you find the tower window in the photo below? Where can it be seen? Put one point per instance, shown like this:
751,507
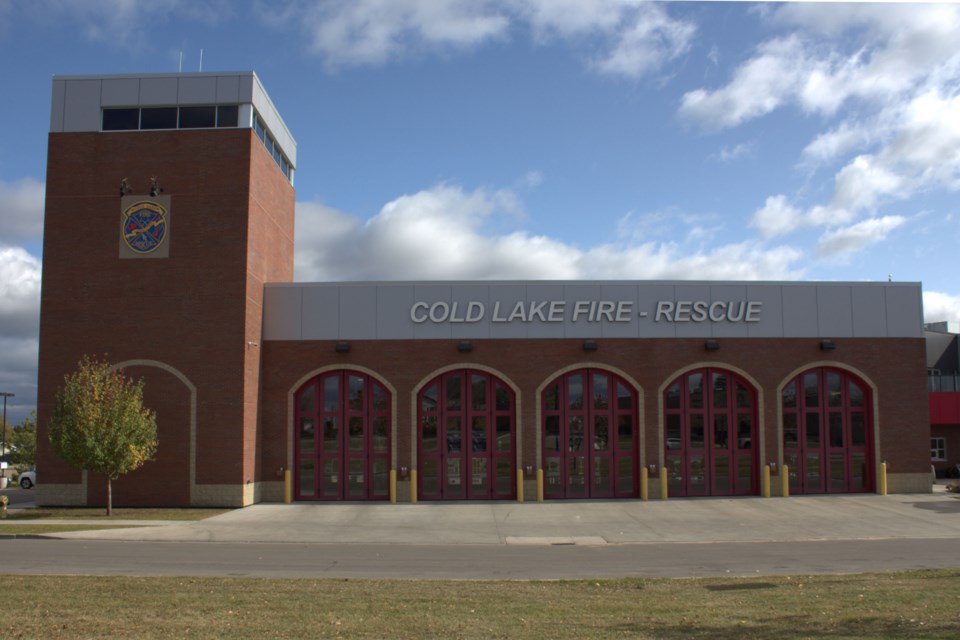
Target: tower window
227,116
198,117
158,118
121,119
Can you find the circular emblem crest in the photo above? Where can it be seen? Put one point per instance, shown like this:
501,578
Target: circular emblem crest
144,226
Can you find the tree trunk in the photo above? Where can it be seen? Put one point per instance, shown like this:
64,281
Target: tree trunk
109,496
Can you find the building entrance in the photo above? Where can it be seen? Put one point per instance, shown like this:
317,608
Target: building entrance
466,438
710,437
827,432
590,436
342,438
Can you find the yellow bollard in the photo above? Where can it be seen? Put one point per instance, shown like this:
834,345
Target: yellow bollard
785,481
766,481
663,483
644,484
883,478
413,486
519,485
287,487
393,485
539,485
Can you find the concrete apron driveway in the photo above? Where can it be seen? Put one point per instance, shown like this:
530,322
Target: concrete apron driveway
839,517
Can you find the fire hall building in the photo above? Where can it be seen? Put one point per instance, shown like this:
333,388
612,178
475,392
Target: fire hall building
168,249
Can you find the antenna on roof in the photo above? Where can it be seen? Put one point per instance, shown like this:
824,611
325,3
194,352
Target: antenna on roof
201,60
180,68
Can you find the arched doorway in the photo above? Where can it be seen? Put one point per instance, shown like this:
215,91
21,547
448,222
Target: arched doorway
710,434
827,432
466,440
342,438
590,436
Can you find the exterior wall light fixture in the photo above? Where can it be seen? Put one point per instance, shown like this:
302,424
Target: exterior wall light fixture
827,345
342,347
465,346
590,345
711,345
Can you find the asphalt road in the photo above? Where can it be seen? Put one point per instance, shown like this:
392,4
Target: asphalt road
18,496
480,562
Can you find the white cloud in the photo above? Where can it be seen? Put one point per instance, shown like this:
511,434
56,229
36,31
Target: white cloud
941,307
19,328
636,36
124,22
439,234
729,154
759,86
632,37
365,32
839,243
838,142
648,40
19,292
777,217
896,67
918,148
21,210
861,184
837,53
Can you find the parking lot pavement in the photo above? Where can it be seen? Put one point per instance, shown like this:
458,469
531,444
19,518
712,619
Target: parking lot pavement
595,523
18,497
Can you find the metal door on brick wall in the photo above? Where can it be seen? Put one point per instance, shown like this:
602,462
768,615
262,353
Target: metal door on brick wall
342,438
827,432
710,438
590,436
466,438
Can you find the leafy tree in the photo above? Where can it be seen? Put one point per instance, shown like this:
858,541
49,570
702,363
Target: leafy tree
7,435
24,443
99,423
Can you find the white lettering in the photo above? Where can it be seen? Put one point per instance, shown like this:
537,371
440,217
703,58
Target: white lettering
580,307
556,310
413,312
475,311
536,311
606,310
444,312
453,312
587,310
739,315
518,313
699,311
665,309
717,310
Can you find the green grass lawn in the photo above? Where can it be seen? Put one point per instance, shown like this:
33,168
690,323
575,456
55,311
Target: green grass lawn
100,513
31,521
894,605
31,529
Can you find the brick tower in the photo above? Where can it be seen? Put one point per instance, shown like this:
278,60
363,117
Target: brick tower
169,204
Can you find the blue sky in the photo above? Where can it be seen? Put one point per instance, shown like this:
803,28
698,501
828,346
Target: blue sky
543,139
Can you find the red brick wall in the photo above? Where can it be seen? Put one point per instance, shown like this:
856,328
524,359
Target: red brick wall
896,366
165,481
231,229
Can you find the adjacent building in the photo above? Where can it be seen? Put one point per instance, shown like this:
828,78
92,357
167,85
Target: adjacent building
943,383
